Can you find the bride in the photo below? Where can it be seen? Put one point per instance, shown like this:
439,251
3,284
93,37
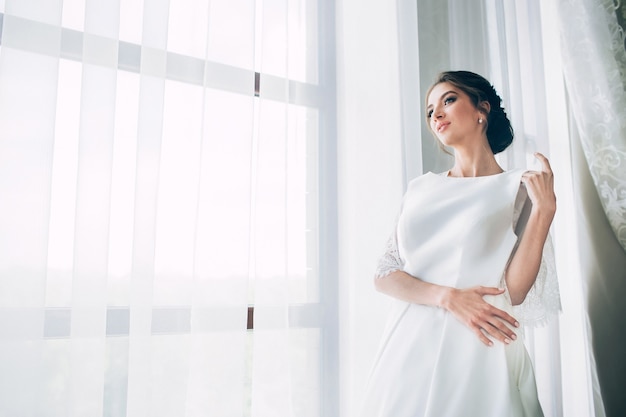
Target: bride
467,262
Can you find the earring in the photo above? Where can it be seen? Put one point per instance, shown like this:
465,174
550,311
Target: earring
480,120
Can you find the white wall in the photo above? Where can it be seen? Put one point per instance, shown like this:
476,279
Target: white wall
370,178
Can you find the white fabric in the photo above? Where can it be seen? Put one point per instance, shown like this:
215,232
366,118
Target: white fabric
593,49
456,232
149,197
542,301
370,184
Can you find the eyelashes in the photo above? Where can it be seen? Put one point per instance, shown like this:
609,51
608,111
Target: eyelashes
447,100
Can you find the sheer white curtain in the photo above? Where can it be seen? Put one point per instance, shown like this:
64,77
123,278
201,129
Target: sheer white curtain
519,68
370,162
160,222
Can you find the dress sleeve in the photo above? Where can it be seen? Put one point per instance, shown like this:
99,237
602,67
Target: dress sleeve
543,301
390,261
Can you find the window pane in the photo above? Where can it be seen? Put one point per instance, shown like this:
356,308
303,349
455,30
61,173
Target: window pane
187,28
74,14
123,188
303,41
286,203
287,39
131,21
63,192
231,33
39,11
223,228
178,193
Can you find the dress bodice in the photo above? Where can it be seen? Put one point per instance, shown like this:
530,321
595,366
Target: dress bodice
458,231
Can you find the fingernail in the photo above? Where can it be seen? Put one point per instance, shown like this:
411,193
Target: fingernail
507,341
490,343
514,336
516,324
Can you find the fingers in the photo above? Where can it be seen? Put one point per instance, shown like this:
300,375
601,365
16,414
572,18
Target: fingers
490,290
540,187
546,168
497,331
496,312
495,322
506,317
491,326
482,337
494,326
500,331
545,164
488,322
488,330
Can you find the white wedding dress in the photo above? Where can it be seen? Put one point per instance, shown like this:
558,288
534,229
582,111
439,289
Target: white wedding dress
457,232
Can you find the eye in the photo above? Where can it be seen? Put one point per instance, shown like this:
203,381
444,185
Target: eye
429,114
449,99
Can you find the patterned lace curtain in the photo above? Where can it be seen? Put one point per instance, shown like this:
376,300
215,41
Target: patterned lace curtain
594,65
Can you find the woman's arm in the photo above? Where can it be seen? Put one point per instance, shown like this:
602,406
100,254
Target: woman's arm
467,305
523,268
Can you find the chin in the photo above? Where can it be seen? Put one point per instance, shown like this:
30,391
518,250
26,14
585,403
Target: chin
447,142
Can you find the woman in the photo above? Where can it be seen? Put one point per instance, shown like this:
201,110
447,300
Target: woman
470,244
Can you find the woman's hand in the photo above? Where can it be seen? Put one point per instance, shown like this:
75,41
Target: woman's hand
467,305
471,309
523,268
540,188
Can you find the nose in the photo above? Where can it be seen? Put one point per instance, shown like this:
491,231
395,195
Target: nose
437,113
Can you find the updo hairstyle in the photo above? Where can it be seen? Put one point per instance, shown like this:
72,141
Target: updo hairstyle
499,130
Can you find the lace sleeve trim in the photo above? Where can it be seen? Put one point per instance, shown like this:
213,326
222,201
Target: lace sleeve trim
391,260
543,301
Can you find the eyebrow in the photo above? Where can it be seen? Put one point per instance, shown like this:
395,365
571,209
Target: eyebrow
442,96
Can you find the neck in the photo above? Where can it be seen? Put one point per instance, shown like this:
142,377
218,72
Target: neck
474,162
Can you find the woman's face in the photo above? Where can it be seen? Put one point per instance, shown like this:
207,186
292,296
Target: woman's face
451,114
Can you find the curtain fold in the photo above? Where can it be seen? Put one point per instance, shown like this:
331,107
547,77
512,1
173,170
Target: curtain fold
27,120
516,51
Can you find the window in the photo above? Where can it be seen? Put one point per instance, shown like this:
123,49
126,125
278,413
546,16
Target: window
183,161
